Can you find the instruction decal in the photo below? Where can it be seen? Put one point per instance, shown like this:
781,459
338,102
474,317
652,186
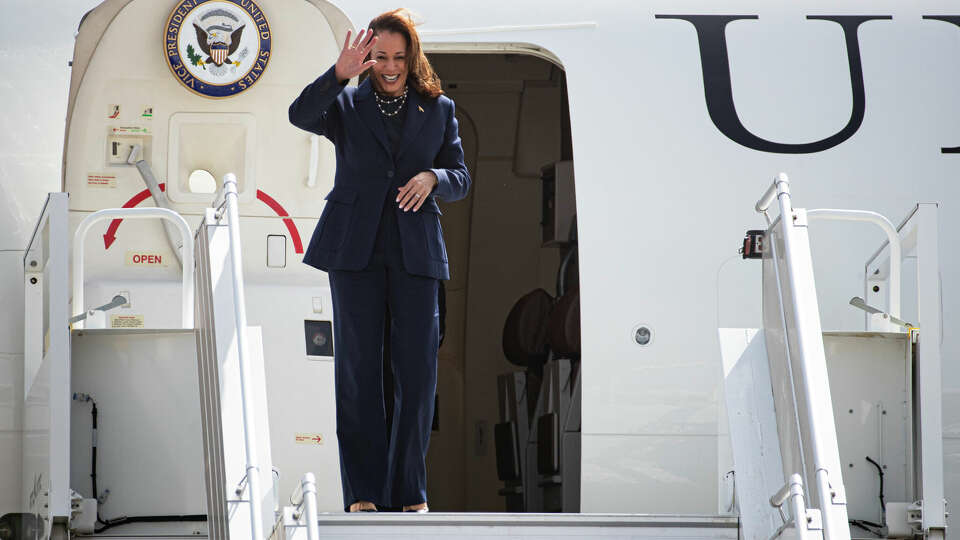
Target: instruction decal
126,321
130,130
309,438
98,180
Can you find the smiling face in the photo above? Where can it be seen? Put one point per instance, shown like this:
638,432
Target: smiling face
390,71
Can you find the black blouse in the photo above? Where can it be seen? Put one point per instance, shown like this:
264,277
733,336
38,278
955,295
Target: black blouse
387,243
394,126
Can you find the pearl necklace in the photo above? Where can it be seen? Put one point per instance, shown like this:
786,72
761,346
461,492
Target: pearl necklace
399,101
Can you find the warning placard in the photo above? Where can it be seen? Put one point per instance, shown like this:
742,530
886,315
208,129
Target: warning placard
126,321
97,180
309,438
147,258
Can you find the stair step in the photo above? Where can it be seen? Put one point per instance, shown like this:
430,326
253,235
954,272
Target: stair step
499,526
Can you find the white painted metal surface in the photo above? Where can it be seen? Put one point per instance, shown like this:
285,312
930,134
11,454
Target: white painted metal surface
495,526
149,449
920,232
800,345
753,429
248,413
870,381
46,448
929,368
225,432
871,385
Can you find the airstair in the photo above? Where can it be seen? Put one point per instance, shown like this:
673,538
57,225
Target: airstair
787,389
817,418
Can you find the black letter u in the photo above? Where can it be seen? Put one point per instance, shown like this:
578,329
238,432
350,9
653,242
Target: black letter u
719,93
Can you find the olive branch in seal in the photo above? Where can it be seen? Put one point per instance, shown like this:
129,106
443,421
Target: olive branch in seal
194,57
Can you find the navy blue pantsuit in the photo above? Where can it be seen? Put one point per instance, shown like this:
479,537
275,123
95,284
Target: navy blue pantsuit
370,470
378,257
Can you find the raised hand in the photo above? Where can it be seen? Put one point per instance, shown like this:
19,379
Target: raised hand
350,63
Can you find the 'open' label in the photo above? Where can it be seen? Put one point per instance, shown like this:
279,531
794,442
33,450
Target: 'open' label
144,258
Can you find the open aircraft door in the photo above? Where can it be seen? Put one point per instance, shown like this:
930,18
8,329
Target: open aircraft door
166,98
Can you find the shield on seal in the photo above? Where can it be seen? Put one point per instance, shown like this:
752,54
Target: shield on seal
219,51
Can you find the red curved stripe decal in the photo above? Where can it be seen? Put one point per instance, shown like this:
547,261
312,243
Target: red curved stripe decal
111,236
294,234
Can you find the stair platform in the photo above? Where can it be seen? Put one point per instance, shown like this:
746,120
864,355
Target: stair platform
529,526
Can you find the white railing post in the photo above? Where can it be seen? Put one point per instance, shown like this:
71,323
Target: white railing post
929,371
240,313
79,239
309,486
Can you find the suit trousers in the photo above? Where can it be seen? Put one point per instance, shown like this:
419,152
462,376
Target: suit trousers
386,468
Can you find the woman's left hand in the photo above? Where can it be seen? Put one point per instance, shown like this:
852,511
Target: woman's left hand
415,192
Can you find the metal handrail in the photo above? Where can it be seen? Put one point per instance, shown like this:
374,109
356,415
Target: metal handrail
781,186
773,191
823,438
309,486
79,239
230,200
893,238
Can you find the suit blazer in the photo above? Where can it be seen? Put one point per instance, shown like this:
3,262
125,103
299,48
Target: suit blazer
367,168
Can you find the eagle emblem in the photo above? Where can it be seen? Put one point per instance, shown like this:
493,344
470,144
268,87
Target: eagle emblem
217,48
218,51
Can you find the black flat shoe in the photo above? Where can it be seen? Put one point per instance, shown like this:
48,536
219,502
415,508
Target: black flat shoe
374,509
423,510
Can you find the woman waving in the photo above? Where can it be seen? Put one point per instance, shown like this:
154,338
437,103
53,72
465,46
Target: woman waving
379,240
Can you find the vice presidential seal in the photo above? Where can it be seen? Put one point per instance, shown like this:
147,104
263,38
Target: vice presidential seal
217,48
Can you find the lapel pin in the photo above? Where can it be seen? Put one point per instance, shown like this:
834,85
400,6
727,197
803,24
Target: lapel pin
419,108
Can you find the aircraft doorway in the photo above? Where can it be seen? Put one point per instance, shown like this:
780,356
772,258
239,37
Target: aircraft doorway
511,256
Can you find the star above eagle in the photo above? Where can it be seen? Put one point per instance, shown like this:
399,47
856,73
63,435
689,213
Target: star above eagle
218,52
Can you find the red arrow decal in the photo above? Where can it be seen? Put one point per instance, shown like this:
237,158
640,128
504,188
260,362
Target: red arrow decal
111,236
275,206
